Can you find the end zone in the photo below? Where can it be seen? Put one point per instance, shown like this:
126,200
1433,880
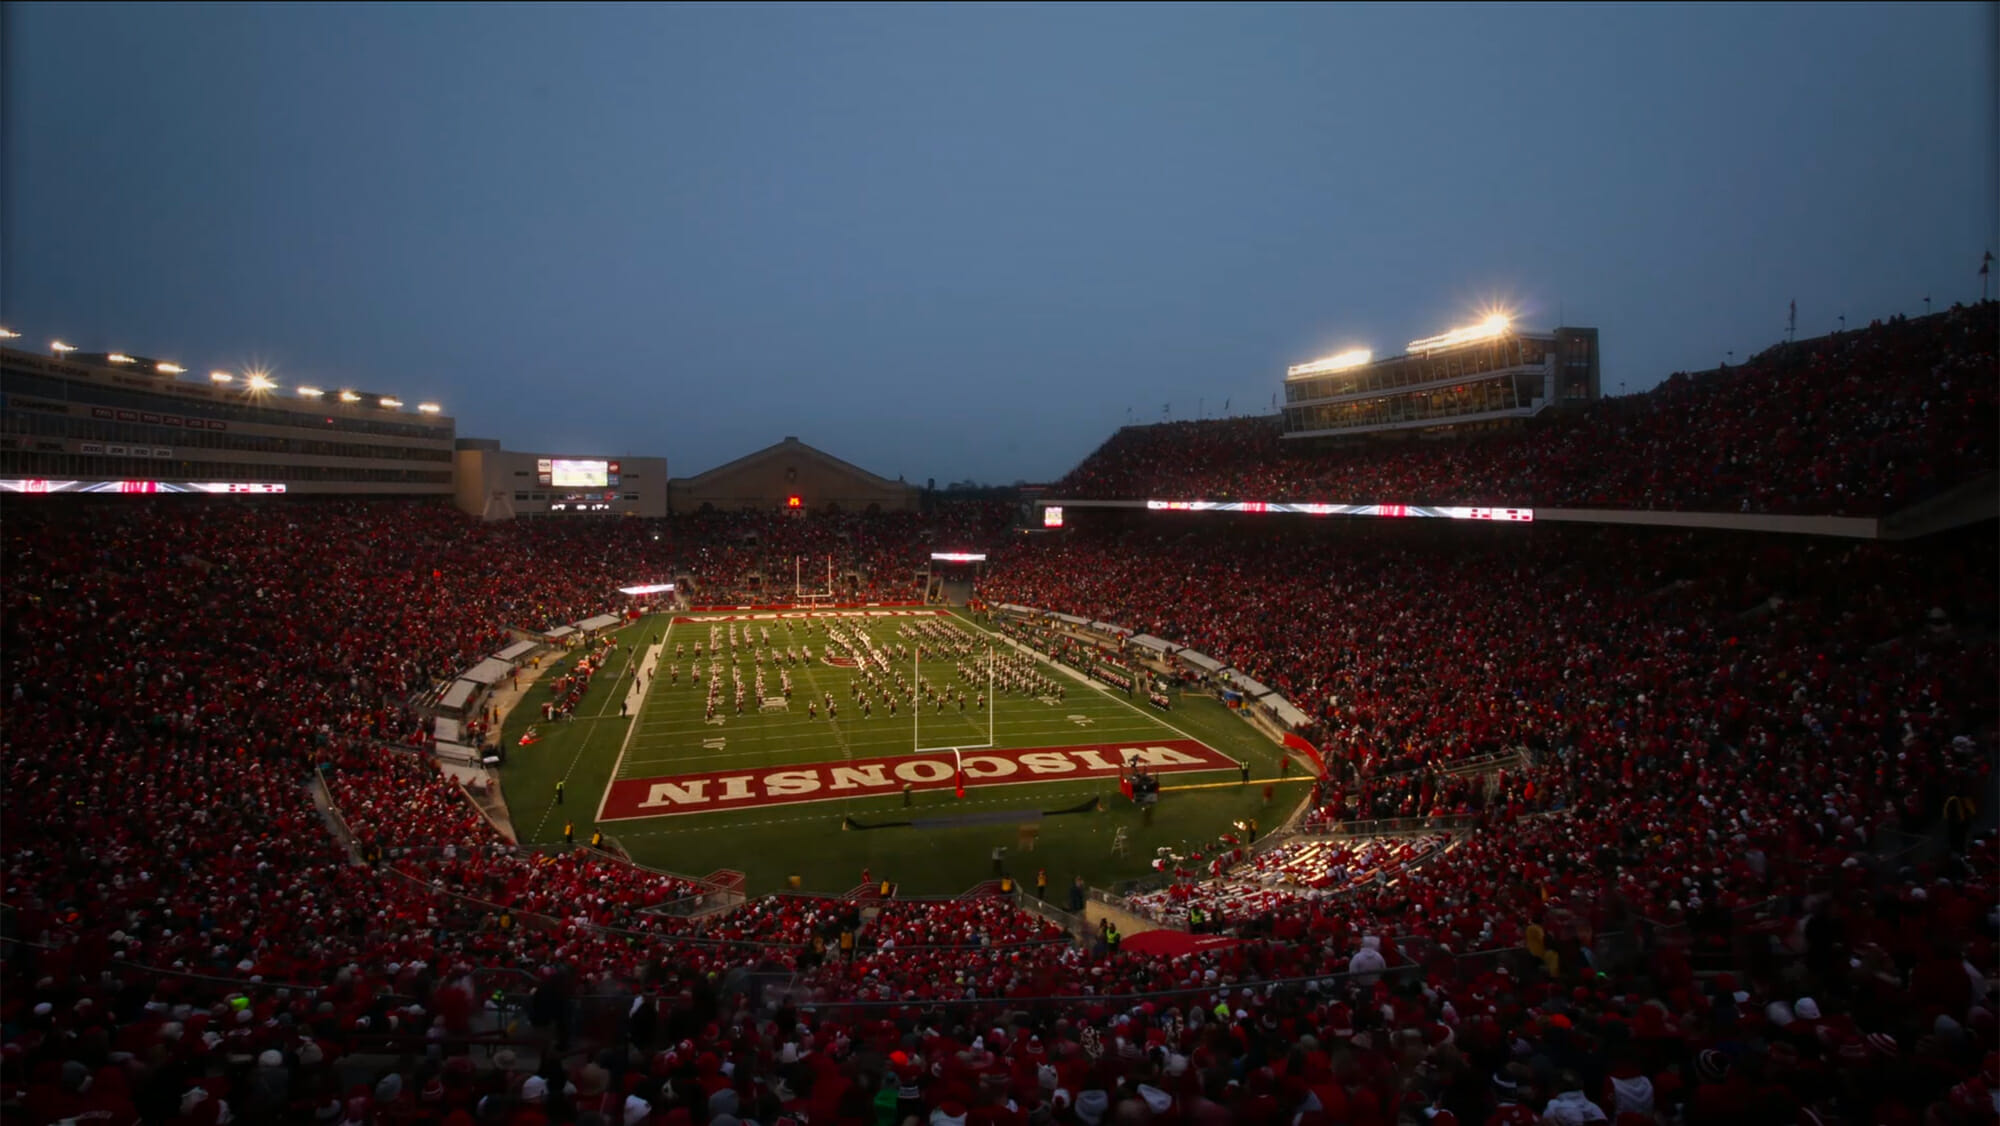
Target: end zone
748,615
636,798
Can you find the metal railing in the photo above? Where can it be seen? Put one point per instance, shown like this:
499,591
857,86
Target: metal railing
1075,925
1390,826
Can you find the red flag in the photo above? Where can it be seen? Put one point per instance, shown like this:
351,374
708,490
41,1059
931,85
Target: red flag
1125,785
1298,743
959,778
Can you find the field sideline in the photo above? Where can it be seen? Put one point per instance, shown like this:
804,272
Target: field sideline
770,841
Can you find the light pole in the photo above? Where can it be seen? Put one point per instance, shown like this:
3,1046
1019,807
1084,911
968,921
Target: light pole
1843,322
1927,305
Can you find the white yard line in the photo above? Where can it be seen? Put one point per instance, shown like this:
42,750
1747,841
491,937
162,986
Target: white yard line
631,663
1082,679
876,748
655,652
655,742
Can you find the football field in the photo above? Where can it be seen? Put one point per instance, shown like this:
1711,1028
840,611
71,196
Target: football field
740,741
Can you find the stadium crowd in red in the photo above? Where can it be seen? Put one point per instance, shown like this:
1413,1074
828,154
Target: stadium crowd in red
1860,423
884,552
1717,743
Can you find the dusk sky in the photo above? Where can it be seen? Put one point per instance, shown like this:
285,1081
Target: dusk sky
963,242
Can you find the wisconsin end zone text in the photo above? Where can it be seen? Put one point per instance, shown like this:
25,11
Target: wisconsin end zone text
834,781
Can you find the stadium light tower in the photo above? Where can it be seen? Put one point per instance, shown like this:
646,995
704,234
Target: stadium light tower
1352,358
59,348
1495,324
9,334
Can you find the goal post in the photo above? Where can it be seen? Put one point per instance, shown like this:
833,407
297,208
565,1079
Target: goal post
811,598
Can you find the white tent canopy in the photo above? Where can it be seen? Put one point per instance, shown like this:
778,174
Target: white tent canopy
1249,687
1153,643
1010,608
1072,619
446,730
1107,627
1202,661
515,651
1286,712
560,632
490,671
458,696
458,753
601,621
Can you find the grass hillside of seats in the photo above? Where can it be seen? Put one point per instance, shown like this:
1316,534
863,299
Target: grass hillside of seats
947,846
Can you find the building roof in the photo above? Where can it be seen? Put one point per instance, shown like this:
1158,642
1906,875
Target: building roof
791,447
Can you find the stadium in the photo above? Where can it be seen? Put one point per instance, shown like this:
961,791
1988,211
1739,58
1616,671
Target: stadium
1456,742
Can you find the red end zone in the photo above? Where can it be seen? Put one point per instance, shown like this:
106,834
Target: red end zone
861,778
772,614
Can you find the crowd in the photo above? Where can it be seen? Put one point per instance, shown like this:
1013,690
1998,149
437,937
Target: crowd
1334,866
1859,423
1714,747
1711,733
753,557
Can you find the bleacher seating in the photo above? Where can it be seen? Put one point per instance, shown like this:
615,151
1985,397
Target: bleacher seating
1723,734
1859,424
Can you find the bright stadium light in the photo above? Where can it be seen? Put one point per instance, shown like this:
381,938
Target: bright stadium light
391,401
221,377
260,382
429,408
310,392
119,358
349,397
9,334
1353,358
1492,326
58,347
165,368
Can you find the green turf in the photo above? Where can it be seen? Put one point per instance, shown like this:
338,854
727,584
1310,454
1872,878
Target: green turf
770,844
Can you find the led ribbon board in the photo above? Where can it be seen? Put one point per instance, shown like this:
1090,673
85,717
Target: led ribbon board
1302,508
40,485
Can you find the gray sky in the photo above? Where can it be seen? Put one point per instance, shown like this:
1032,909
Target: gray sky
963,241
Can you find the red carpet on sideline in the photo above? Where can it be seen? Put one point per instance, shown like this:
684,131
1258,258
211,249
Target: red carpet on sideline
1173,944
